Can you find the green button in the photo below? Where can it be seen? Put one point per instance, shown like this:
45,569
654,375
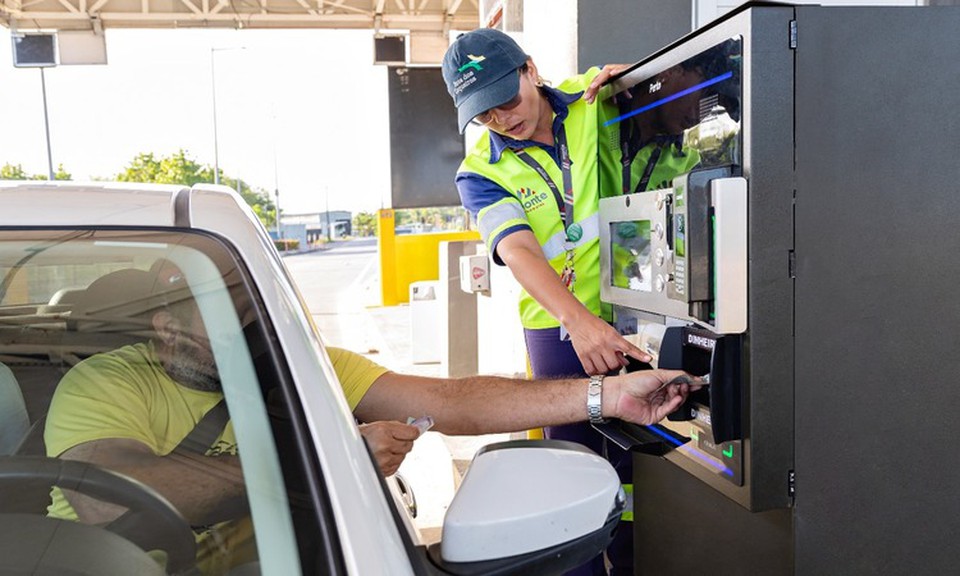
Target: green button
728,451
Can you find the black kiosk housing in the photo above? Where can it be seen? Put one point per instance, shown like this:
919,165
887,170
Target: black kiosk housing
797,240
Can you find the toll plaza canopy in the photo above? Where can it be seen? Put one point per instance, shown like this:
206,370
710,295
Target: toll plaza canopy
426,16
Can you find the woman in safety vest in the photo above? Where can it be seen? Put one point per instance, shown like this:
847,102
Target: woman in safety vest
531,185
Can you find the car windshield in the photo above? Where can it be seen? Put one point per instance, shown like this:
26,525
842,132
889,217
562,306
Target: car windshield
140,411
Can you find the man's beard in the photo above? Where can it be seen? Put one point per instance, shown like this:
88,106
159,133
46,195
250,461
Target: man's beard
193,366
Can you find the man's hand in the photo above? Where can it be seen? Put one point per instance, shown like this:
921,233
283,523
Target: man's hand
647,396
600,347
390,442
609,70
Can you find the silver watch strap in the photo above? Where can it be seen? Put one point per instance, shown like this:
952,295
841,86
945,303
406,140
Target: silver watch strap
595,400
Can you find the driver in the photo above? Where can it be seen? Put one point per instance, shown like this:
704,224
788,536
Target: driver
129,410
135,410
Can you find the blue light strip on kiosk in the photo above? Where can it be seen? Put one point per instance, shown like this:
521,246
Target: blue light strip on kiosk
671,98
705,458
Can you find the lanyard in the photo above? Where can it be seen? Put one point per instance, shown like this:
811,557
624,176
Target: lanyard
565,200
628,155
648,171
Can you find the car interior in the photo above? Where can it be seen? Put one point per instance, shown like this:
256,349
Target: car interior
55,312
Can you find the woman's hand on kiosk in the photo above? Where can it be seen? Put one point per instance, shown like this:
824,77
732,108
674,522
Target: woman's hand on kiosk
647,396
600,347
605,73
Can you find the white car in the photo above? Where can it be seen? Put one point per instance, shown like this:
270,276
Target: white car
311,500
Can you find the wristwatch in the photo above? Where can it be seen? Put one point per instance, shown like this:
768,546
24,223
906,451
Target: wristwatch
595,400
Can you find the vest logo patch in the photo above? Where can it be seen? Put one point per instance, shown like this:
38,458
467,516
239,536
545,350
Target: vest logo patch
531,199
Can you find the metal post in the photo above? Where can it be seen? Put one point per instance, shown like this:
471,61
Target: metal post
279,231
276,185
46,124
327,200
213,86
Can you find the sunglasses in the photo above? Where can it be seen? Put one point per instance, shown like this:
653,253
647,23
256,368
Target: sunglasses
486,117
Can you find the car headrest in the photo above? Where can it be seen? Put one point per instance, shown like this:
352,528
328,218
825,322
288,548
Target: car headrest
122,300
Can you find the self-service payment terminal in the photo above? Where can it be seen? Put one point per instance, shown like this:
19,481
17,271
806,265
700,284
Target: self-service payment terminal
674,246
779,215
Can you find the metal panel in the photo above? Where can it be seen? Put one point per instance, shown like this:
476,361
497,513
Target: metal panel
877,273
729,199
683,527
425,146
768,167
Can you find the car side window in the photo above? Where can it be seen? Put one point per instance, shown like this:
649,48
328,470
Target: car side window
140,408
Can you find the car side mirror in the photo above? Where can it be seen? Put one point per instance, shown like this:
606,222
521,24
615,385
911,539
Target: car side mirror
530,507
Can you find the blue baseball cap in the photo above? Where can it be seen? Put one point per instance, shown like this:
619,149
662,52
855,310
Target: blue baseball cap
480,71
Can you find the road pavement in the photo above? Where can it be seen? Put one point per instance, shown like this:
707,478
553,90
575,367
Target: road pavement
341,287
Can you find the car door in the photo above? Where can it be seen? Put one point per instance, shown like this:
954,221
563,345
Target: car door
79,313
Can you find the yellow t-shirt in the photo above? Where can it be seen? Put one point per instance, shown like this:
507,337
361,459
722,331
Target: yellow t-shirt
126,394
356,373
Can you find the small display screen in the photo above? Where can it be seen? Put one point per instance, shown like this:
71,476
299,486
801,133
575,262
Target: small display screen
680,235
685,117
630,255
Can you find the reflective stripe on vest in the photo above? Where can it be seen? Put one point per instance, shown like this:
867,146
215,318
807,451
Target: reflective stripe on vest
556,245
497,217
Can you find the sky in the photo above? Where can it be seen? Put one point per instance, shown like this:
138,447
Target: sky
304,111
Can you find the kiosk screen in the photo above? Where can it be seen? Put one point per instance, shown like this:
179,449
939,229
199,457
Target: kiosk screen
630,246
685,117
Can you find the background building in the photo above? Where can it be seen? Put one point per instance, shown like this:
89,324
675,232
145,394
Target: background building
321,225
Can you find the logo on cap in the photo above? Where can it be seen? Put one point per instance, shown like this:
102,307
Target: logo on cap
473,63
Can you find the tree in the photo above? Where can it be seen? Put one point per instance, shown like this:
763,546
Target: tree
60,174
179,168
364,224
16,172
433,219
11,172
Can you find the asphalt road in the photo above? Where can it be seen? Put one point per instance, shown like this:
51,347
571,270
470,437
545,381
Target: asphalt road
338,285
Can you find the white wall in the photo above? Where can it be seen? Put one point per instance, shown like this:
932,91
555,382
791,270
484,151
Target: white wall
500,346
550,36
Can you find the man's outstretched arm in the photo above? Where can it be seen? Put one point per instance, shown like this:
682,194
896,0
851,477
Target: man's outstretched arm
489,404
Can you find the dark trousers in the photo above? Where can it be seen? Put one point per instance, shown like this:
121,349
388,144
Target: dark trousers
551,357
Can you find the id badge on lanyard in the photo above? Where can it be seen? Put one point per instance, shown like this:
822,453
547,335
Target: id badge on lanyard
569,277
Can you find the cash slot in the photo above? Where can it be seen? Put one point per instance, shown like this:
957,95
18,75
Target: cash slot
714,408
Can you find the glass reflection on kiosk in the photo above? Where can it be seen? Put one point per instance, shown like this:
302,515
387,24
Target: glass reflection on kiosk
684,118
